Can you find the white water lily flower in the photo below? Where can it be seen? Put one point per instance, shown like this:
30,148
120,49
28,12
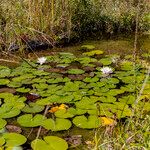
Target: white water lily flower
41,60
106,70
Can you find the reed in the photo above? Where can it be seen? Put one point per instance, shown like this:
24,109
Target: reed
68,19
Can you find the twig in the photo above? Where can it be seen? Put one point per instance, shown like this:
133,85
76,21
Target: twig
39,130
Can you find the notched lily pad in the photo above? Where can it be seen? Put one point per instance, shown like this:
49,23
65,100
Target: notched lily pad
49,143
94,52
88,123
56,125
87,47
33,108
28,120
2,123
14,139
76,71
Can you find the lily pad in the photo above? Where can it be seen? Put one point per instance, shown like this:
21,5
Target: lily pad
49,143
105,61
4,72
4,81
8,111
2,123
76,71
56,125
32,108
88,123
87,47
28,120
13,139
94,52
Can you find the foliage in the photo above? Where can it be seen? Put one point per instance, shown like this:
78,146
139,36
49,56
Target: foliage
94,102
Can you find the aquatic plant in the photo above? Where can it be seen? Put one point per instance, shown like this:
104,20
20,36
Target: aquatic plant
105,95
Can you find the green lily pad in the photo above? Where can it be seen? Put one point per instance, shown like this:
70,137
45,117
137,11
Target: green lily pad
56,125
2,123
91,122
49,143
86,104
87,47
70,86
14,139
89,79
23,90
106,61
4,72
76,71
127,65
8,111
4,81
2,141
94,52
32,108
65,113
28,120
130,99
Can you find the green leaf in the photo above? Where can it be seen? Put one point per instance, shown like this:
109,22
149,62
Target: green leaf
28,120
8,111
88,123
94,52
4,81
14,139
49,143
56,125
2,141
105,61
32,108
87,47
76,71
2,123
65,113
23,90
4,72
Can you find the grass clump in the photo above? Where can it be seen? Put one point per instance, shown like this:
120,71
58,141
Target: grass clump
61,21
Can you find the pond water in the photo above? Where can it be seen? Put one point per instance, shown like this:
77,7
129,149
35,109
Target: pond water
75,80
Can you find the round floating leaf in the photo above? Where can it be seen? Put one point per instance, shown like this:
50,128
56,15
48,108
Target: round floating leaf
28,120
4,72
114,92
8,111
56,125
76,71
94,52
130,99
2,141
88,123
32,108
86,104
2,123
88,79
14,139
127,65
105,61
65,113
23,90
70,86
49,143
87,47
14,84
4,81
